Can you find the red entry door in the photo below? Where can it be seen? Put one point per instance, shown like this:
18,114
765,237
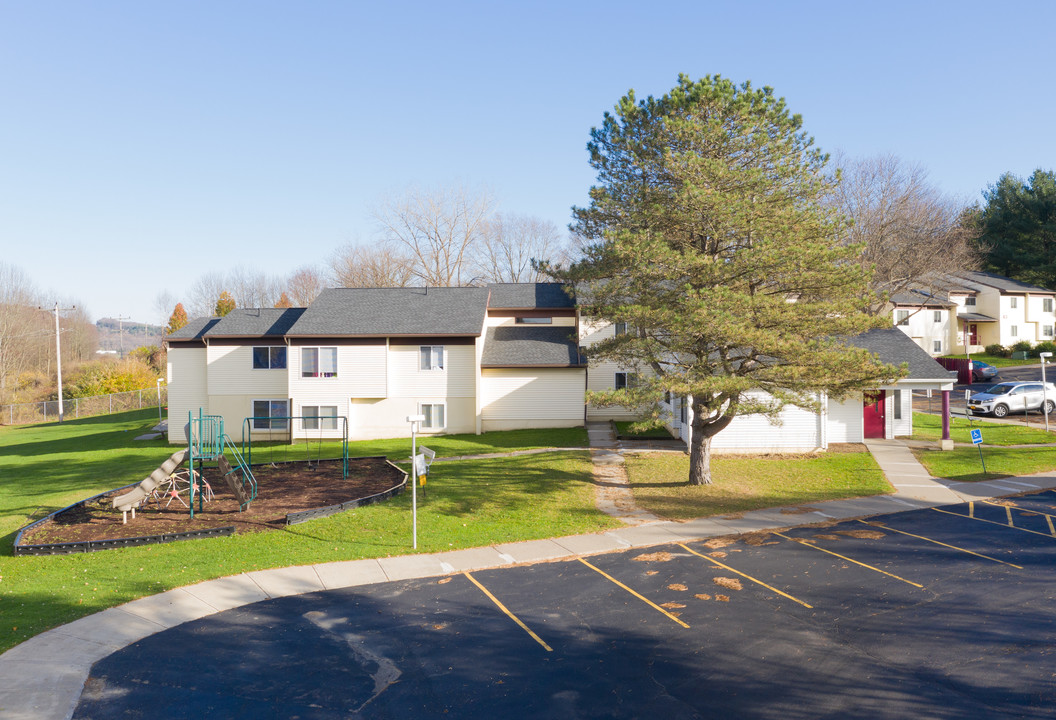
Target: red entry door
873,414
973,334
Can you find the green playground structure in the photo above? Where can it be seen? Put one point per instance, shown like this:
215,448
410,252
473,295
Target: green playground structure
280,430
206,440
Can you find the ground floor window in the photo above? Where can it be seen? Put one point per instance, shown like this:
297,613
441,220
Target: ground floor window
937,346
625,380
896,400
1046,330
434,416
319,417
270,414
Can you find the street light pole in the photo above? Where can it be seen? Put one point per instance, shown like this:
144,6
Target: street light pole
1044,389
58,354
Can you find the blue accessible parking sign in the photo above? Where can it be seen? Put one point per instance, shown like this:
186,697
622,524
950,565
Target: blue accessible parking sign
977,437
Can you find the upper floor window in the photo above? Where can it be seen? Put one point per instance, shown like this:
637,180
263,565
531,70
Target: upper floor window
1046,304
902,317
273,358
621,328
319,362
936,346
432,357
626,380
969,301
1013,302
938,316
534,321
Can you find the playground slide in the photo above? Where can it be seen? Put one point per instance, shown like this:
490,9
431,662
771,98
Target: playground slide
135,497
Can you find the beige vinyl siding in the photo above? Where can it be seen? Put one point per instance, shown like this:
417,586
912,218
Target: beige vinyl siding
231,372
560,321
799,431
362,371
234,409
602,375
457,379
370,419
529,397
844,420
187,383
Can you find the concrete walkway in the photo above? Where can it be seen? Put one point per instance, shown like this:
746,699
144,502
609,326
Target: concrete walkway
43,677
613,495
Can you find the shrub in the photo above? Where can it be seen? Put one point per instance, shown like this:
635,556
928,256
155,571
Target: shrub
102,377
1046,346
997,350
1021,346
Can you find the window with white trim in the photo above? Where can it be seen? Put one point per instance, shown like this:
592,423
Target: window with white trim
936,346
1046,304
625,380
621,328
896,400
534,321
434,414
1046,330
319,417
1014,331
969,301
269,358
1013,302
432,357
938,316
319,362
270,414
901,317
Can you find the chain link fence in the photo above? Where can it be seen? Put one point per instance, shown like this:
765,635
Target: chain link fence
48,411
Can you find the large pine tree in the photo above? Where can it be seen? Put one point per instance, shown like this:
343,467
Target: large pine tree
706,234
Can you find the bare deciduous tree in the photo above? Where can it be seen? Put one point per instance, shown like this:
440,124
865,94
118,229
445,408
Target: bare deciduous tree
912,232
204,294
252,289
438,229
303,285
376,266
511,242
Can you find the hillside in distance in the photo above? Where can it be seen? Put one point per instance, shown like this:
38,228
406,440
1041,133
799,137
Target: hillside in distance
126,335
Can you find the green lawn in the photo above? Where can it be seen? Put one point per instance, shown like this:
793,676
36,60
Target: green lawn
997,361
470,503
749,483
399,449
963,464
929,427
623,429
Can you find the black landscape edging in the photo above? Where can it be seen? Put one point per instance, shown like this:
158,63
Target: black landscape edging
297,518
110,543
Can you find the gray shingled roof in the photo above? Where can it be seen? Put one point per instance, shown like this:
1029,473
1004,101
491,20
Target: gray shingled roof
525,346
894,347
394,311
1001,283
531,295
256,322
920,299
194,329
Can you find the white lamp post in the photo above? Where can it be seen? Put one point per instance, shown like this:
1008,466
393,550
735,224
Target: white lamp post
1045,389
414,420
160,381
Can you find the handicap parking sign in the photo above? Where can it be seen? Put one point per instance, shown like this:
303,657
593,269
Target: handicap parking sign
977,436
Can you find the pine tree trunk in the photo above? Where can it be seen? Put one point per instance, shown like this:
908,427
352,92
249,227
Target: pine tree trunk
700,459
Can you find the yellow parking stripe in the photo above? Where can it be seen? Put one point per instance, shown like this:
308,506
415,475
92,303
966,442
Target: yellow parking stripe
638,595
1008,512
992,522
952,547
506,610
971,509
755,580
1017,507
844,557
1052,530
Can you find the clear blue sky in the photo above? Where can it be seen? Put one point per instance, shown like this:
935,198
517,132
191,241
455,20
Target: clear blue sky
143,144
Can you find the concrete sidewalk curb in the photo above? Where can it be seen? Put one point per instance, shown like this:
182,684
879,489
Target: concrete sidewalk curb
44,676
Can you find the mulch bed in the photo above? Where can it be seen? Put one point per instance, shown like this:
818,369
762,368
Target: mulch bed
283,488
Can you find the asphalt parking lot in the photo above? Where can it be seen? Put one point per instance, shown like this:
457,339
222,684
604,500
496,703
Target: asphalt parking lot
936,613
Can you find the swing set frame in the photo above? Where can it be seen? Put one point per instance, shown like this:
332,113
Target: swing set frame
286,434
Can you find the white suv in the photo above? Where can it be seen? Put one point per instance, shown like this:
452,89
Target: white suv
1003,398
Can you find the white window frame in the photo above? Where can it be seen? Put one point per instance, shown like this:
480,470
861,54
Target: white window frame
430,415
630,380
970,300
271,359
1046,304
534,321
1014,331
321,421
318,361
1046,331
902,317
936,346
431,358
620,328
1013,302
938,316
896,402
269,424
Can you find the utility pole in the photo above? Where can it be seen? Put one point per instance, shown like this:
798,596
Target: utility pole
121,335
58,353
